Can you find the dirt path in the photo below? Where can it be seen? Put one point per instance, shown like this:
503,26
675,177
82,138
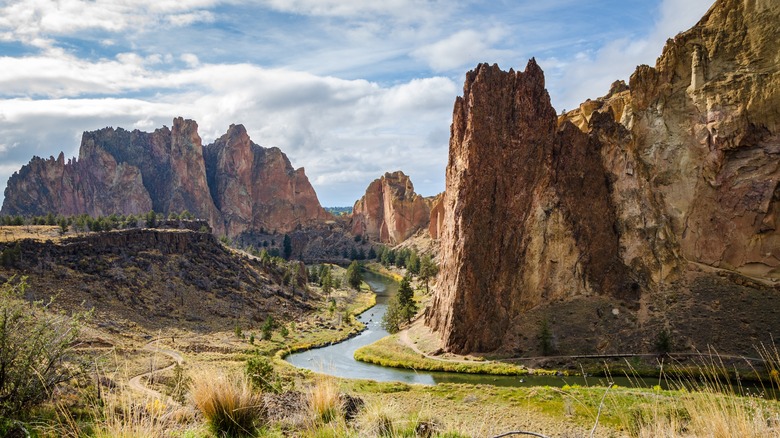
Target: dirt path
136,382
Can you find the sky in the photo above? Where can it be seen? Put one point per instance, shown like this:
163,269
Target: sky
348,89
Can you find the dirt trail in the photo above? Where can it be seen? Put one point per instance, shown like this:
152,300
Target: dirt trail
136,382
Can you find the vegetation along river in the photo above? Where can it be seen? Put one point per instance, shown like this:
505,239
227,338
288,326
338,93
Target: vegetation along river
338,360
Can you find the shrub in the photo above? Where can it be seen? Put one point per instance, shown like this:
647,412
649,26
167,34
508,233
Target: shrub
228,404
36,351
663,342
261,373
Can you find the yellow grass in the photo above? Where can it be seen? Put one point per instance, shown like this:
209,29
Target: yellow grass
35,232
324,400
228,403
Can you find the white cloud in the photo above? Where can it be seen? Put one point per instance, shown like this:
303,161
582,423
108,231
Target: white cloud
36,22
191,18
334,128
190,59
465,47
407,10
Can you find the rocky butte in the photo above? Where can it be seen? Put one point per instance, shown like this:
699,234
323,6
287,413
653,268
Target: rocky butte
390,211
233,183
651,211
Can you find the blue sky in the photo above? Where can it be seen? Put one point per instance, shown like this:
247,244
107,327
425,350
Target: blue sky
348,89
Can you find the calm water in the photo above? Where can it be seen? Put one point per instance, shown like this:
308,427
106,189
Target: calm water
338,360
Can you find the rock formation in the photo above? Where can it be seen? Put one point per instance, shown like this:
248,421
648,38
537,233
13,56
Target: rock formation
257,188
234,184
437,216
390,211
665,184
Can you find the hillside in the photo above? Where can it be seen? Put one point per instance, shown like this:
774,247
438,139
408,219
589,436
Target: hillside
153,278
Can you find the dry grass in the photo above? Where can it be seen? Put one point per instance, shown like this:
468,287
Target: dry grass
228,403
123,417
708,405
324,401
36,232
378,419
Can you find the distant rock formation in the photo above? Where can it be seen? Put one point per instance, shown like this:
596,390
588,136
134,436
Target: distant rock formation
233,183
437,216
390,211
665,184
257,188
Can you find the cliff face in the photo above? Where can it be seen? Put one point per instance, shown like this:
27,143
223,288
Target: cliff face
233,183
437,216
679,171
390,211
254,187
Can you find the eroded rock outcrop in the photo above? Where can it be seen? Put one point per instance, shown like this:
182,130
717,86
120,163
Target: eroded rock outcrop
256,187
131,172
669,186
390,211
437,216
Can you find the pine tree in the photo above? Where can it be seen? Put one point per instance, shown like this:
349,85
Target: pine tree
354,276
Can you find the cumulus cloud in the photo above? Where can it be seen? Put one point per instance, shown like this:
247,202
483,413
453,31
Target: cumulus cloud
37,22
335,128
465,47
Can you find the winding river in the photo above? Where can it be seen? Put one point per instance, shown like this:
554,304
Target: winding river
338,360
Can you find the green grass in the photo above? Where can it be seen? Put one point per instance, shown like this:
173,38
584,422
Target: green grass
390,352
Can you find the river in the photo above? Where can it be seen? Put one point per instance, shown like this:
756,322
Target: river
338,359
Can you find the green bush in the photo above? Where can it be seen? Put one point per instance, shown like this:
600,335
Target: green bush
36,351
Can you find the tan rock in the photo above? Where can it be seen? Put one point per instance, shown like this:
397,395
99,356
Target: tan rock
437,216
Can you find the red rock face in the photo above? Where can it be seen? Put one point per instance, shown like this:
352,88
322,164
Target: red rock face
390,211
256,187
661,184
118,171
524,202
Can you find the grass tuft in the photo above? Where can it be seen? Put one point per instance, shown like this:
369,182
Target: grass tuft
228,403
324,401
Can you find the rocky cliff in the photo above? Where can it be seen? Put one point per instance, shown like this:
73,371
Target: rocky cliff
256,187
390,211
234,184
669,186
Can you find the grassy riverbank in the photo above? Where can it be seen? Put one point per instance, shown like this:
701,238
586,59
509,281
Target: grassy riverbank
391,352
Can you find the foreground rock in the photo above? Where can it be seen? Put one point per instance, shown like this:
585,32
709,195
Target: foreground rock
233,183
390,211
607,237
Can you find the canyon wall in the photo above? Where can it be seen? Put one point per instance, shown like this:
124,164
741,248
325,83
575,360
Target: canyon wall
390,211
233,183
667,185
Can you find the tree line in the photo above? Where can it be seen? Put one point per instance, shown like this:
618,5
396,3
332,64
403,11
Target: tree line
85,222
